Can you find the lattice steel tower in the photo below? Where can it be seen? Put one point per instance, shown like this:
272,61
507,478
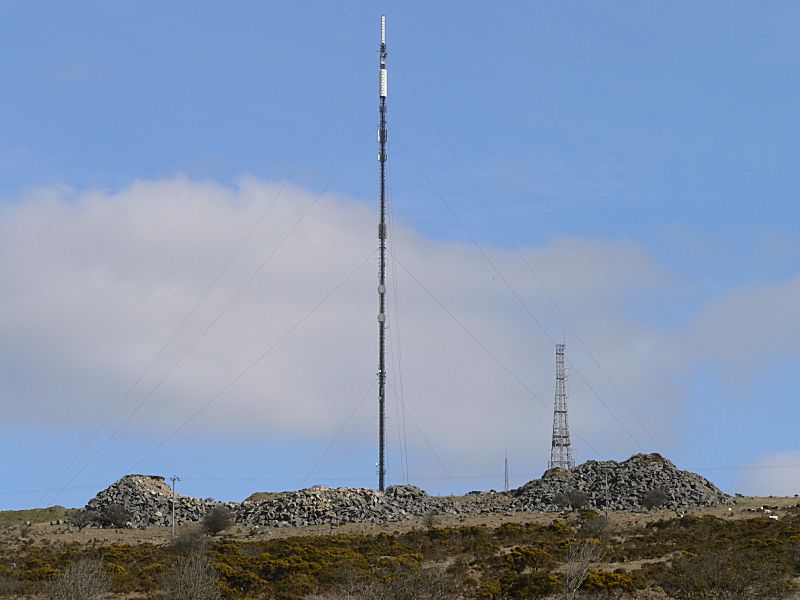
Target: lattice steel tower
561,450
383,86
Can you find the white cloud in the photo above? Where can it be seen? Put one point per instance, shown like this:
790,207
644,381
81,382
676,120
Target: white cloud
775,474
96,283
747,329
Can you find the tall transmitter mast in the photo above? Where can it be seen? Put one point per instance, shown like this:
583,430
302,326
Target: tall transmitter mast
382,233
561,449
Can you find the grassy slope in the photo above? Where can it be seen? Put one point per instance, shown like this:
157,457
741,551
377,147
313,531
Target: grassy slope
34,515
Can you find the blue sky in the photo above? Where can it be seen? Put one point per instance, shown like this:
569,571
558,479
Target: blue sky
642,155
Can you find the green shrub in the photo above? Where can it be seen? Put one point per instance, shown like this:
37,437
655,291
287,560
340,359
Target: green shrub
725,574
116,516
217,520
597,527
654,498
82,580
605,580
9,586
528,558
82,517
528,585
192,578
489,589
190,540
572,499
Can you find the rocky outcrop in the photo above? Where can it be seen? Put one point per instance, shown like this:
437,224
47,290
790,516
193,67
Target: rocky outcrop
147,499
629,484
321,505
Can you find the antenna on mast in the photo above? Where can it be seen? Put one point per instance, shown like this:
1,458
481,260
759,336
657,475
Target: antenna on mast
383,87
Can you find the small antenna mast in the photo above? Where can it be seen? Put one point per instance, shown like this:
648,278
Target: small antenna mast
506,485
383,86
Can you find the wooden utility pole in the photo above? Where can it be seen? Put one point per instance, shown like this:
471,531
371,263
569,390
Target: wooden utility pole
174,478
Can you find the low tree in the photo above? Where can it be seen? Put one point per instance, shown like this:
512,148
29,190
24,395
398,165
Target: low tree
580,557
577,499
351,590
25,530
9,586
190,540
116,516
528,558
596,526
82,517
432,583
81,580
396,582
654,498
728,575
192,578
572,499
431,520
218,519
527,585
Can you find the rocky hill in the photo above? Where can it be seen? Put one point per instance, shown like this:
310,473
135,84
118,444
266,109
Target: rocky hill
625,484
147,500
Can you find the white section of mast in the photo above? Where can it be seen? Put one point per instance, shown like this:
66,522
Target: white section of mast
384,76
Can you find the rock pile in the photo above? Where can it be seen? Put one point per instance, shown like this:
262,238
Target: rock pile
629,484
321,505
148,499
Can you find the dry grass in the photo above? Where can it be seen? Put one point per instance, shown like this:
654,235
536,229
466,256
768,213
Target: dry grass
43,531
34,515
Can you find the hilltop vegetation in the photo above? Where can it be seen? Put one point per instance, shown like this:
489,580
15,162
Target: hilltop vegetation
670,534
681,558
34,515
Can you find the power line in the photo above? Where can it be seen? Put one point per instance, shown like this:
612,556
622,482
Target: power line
397,409
524,260
219,315
483,346
255,362
508,285
41,490
743,467
345,478
430,447
213,282
401,421
449,477
340,430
